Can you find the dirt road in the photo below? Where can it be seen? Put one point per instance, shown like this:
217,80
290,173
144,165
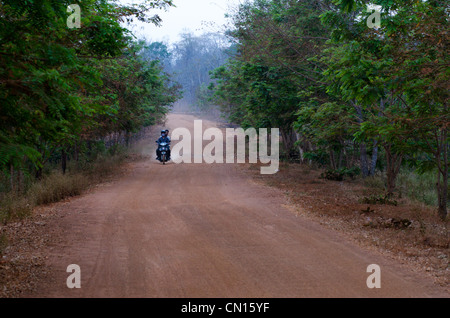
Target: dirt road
200,230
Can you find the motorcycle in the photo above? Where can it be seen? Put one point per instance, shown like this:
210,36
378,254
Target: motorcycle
163,149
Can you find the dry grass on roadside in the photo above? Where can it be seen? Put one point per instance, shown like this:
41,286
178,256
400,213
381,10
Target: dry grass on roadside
56,186
410,231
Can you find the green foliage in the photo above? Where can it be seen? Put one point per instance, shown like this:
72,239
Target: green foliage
265,97
276,67
56,186
419,187
395,77
60,86
156,51
340,174
317,68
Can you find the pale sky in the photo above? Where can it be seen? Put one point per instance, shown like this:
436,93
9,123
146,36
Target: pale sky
198,16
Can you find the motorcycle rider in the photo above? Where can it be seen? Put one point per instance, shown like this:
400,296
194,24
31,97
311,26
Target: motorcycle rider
163,138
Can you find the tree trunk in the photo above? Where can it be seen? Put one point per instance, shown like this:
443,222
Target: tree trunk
127,138
63,161
341,158
299,147
289,140
373,163
362,146
38,174
442,188
11,168
442,191
363,159
393,162
19,181
332,161
75,152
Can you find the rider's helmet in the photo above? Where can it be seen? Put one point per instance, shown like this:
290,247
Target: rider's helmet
163,132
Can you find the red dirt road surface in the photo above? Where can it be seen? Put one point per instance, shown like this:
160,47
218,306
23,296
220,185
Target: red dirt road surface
207,230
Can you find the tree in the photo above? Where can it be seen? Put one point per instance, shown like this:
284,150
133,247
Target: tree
51,77
410,85
276,44
193,58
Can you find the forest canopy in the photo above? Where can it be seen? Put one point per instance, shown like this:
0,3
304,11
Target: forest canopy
65,87
346,93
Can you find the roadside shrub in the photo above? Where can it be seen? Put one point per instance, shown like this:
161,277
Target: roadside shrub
15,206
379,199
419,187
410,184
340,174
56,187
